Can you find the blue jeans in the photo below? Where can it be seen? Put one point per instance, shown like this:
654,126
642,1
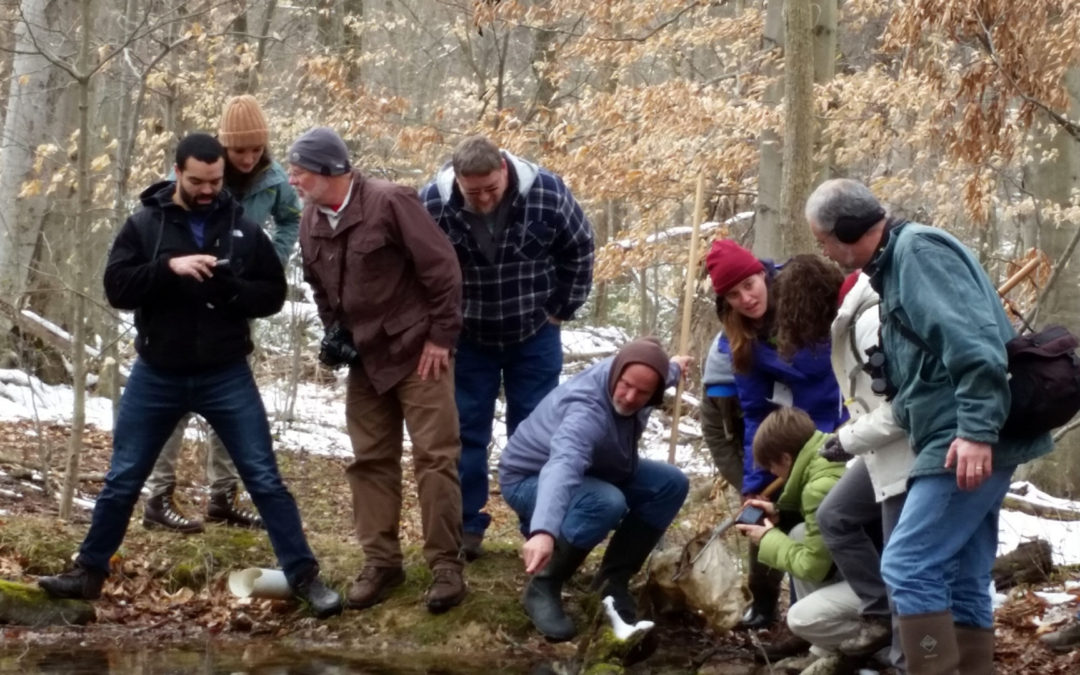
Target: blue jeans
942,550
527,371
655,493
153,402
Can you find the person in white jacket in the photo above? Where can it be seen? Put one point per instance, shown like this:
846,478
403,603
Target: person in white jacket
858,515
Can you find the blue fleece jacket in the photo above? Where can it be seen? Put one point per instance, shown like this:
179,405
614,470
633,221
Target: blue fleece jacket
574,432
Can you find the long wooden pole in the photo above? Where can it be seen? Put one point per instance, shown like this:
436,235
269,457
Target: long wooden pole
688,304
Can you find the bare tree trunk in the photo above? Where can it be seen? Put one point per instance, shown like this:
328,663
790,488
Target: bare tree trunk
82,230
798,157
33,109
824,63
354,45
768,239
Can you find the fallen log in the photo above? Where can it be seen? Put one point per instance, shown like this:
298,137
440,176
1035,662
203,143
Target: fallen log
1030,563
1041,510
25,605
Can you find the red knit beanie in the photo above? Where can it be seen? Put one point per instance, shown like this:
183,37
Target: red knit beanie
728,264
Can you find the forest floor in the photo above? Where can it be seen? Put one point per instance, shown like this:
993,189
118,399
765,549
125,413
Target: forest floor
167,606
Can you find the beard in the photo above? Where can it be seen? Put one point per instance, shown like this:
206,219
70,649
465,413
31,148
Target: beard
192,201
621,409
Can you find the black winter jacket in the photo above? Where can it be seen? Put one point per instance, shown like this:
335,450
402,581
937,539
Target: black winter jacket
183,324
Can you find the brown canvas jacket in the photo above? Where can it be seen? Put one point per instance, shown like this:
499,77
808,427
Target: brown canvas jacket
388,273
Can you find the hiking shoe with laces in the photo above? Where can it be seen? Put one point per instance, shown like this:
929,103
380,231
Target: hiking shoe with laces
78,583
373,585
225,508
161,512
447,590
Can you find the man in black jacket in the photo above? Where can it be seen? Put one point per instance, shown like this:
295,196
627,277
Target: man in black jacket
195,272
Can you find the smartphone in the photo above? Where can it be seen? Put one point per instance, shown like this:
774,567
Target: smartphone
751,515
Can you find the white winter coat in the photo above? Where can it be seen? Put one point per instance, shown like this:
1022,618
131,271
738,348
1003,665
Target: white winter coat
871,434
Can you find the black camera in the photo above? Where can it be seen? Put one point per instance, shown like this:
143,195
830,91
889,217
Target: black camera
875,367
337,348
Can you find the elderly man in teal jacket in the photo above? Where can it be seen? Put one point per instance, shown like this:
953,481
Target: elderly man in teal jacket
943,335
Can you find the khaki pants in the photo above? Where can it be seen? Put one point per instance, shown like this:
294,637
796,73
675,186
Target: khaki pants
221,473
374,424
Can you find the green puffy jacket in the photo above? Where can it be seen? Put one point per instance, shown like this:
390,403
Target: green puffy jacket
811,478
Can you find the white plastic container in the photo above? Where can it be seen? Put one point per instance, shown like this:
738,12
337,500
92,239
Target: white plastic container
256,582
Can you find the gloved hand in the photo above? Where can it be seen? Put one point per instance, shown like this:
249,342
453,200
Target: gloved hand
834,451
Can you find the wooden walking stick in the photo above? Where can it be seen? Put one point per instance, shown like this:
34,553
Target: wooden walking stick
688,302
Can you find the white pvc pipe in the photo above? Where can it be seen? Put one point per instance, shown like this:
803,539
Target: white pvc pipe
255,582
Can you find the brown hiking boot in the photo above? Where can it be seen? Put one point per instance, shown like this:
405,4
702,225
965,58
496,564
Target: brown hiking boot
446,591
374,585
161,512
225,508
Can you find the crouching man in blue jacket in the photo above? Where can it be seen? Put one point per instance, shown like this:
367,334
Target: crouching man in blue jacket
572,473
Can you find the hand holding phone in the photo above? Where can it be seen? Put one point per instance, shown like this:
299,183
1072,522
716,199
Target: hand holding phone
750,515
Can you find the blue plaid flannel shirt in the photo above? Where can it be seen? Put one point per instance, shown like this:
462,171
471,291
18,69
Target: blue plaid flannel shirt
543,262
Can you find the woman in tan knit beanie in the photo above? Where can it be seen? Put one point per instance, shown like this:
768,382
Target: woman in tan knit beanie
262,187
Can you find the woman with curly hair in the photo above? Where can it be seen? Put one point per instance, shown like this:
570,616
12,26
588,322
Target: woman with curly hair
859,513
765,381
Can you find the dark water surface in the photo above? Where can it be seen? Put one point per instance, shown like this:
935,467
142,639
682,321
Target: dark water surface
264,659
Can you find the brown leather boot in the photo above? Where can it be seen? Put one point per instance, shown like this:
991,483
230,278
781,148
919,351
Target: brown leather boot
161,512
373,585
929,642
976,650
447,590
225,508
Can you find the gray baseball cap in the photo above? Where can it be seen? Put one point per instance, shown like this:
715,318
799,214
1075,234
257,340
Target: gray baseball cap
322,151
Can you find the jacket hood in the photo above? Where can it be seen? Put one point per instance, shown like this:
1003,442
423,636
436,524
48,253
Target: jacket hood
159,195
646,351
525,171
857,299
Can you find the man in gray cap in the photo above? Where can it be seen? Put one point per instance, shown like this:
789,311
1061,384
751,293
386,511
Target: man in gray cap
388,289
572,473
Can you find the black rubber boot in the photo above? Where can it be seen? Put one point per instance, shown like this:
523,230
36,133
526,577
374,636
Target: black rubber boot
543,594
323,600
629,548
764,583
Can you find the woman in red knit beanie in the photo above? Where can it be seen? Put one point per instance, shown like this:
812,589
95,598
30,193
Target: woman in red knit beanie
763,381
742,297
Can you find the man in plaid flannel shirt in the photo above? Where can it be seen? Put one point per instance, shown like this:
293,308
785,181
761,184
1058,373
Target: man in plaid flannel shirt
526,254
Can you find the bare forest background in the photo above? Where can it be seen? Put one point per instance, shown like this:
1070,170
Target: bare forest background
960,113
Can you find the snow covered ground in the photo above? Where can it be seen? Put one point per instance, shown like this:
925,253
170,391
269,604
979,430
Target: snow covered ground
319,427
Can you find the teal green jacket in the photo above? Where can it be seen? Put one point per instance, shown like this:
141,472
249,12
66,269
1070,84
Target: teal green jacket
271,197
811,478
954,384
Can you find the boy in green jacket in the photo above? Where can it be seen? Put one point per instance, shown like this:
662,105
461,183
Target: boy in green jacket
787,444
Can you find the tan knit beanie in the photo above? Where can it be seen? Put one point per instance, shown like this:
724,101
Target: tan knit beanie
243,124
